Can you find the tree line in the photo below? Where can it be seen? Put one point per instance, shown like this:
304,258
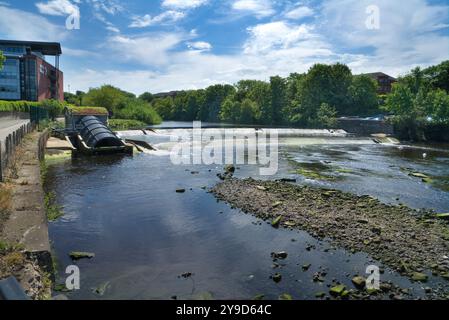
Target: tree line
418,105
312,99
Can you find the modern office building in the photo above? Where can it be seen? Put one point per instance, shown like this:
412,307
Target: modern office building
26,75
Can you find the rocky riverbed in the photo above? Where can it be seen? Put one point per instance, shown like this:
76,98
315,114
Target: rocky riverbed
414,243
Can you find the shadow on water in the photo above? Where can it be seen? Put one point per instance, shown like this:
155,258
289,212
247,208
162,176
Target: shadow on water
153,243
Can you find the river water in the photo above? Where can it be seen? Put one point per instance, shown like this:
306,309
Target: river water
145,236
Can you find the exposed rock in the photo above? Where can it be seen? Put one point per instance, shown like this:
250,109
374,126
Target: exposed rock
77,255
277,277
337,290
279,255
285,296
359,282
420,277
275,223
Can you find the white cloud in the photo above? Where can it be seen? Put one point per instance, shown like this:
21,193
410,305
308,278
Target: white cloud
169,16
183,4
259,8
277,35
151,49
200,45
299,13
162,62
58,8
21,25
111,7
406,37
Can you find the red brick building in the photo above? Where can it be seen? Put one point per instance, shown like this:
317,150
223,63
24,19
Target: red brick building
27,75
384,81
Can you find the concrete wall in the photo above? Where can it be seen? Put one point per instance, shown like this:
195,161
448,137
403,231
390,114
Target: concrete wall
12,115
365,127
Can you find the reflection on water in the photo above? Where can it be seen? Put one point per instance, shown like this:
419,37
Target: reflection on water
145,235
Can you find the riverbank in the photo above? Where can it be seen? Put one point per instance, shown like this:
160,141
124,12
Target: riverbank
411,242
24,244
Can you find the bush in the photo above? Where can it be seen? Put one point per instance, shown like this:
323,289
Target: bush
17,106
54,108
124,124
135,109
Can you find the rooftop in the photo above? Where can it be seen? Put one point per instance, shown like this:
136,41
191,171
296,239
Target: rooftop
46,48
379,74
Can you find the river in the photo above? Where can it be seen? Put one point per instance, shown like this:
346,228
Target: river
146,236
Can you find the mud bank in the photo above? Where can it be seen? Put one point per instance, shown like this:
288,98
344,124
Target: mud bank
25,249
415,243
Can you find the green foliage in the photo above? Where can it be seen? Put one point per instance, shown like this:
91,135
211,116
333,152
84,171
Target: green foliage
122,104
17,106
72,99
326,116
364,98
146,96
135,109
88,110
295,100
420,103
107,96
54,211
123,124
2,60
54,108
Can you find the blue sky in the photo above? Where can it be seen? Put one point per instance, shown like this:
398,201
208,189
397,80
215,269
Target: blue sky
162,45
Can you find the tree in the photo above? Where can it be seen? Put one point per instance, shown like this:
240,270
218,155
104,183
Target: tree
107,96
278,88
324,84
230,110
249,112
53,107
438,76
364,98
71,98
439,106
326,116
146,96
164,107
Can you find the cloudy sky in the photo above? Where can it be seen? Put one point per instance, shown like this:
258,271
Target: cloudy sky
162,45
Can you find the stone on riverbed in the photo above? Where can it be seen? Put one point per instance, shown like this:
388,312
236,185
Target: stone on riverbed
359,282
77,255
337,290
420,277
279,255
285,296
277,277
275,223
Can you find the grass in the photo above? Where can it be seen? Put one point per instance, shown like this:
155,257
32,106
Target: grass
54,211
5,203
88,110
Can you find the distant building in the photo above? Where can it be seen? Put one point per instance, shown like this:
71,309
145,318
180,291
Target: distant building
26,75
163,95
383,80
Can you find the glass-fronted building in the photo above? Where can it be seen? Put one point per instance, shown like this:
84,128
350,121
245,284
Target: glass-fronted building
26,75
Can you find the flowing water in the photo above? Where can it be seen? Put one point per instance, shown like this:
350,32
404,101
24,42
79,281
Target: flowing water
146,236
